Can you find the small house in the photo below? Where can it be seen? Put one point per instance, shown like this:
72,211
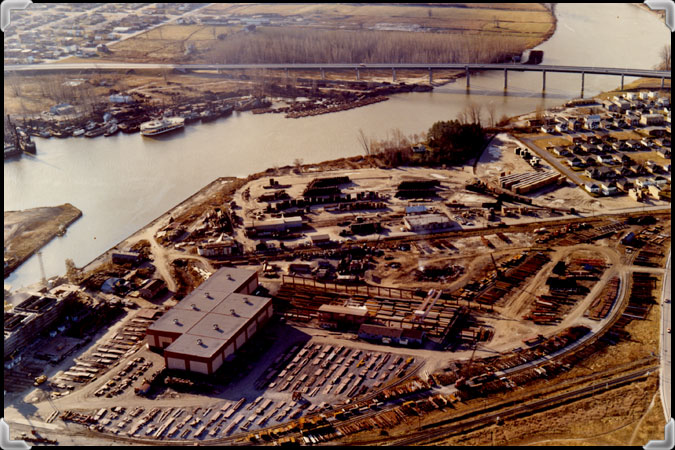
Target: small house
651,119
654,191
575,162
624,185
592,188
592,121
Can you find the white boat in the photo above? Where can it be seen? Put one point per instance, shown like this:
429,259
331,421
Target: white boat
165,125
79,132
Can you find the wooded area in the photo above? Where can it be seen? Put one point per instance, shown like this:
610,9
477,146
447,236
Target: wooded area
272,45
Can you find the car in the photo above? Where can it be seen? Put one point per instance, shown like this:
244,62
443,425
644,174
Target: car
668,330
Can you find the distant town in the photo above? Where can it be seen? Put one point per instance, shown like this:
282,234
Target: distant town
487,281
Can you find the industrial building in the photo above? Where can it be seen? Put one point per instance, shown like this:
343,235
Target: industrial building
281,225
336,316
421,222
32,315
388,335
212,322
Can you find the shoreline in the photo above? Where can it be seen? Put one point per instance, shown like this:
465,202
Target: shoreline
46,229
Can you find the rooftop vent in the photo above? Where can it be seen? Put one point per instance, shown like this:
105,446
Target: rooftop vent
215,326
176,321
194,306
199,342
207,295
246,300
233,312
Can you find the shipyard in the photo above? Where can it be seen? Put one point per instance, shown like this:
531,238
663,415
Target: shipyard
468,280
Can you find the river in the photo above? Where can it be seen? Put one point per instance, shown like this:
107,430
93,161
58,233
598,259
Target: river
122,183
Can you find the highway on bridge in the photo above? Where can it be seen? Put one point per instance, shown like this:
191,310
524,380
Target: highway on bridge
378,66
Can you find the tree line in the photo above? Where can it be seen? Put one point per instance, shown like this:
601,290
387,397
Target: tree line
272,45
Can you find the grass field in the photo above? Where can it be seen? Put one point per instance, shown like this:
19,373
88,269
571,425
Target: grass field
515,26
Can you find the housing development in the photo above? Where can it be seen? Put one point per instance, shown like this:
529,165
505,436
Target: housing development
500,284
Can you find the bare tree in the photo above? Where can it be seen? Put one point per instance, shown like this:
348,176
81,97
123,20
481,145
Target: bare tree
665,58
492,114
365,144
474,112
297,163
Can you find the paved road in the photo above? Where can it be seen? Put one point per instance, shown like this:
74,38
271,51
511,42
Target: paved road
460,66
666,343
552,160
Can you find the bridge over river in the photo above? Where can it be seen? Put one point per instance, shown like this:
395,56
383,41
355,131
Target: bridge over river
358,68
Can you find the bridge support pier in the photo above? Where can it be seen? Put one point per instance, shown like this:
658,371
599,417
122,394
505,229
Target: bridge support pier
582,84
358,74
431,76
622,81
505,78
662,81
323,74
468,78
286,72
543,83
393,75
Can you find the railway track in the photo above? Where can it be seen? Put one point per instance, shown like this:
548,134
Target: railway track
383,241
429,435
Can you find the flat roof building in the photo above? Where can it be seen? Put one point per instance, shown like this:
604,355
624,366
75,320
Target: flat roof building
210,324
420,222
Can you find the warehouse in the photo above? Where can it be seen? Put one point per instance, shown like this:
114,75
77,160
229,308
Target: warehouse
335,316
211,323
422,222
281,225
387,335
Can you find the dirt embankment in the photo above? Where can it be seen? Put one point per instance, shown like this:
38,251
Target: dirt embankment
29,230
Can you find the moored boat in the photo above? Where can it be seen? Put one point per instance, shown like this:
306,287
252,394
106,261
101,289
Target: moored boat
112,129
208,116
95,132
161,126
78,133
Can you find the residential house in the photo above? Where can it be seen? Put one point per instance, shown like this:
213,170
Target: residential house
654,191
561,127
660,181
643,182
592,121
589,161
623,184
622,104
623,172
575,162
610,105
608,188
574,124
603,159
632,120
560,151
592,188
634,145
635,194
643,95
651,119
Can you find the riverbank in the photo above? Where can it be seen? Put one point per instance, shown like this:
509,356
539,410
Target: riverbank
29,230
